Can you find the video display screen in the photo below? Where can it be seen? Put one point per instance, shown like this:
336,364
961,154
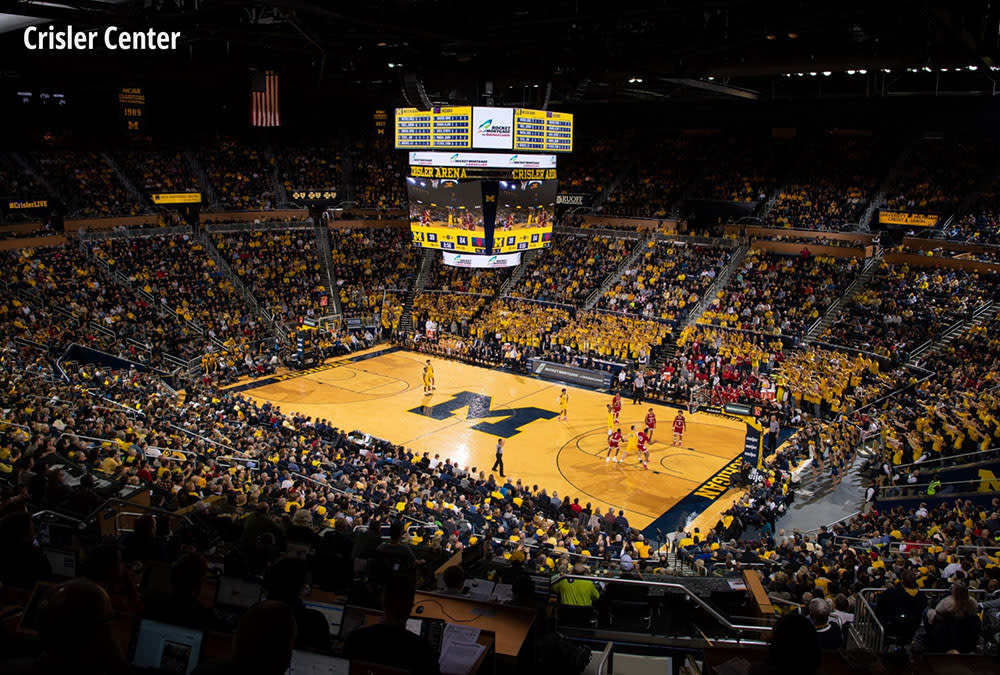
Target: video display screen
447,214
525,211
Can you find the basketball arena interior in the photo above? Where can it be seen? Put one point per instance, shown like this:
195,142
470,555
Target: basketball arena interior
431,337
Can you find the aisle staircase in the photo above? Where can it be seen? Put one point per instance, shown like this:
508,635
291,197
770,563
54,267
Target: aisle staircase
887,182
512,281
735,263
32,170
981,316
793,172
207,191
668,349
191,366
612,278
277,185
860,281
137,195
322,235
220,261
426,263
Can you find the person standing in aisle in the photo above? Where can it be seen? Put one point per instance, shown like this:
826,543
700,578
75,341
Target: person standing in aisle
499,463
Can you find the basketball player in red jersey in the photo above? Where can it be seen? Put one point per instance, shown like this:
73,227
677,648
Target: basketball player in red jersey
643,440
425,218
614,445
650,424
679,426
616,405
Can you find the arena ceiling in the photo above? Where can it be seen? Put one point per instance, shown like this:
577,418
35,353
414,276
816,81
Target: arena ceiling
559,51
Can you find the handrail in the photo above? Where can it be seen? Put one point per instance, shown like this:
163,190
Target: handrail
867,626
739,628
946,458
204,438
50,512
354,497
152,509
836,522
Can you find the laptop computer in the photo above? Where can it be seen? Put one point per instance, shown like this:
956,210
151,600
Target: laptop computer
62,562
166,648
236,594
308,663
353,620
431,630
334,615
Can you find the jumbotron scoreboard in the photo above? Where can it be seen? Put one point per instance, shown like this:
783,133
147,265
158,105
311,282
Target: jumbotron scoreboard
476,188
484,128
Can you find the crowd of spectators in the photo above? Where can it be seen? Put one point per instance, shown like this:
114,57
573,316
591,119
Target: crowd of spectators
953,411
981,223
611,336
309,167
175,270
445,312
16,181
485,281
745,169
592,166
571,268
663,171
366,261
378,172
278,270
938,173
240,174
838,180
87,183
902,307
152,170
779,294
520,322
666,281
58,296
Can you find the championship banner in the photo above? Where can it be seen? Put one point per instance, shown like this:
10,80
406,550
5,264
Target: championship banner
907,219
133,105
481,261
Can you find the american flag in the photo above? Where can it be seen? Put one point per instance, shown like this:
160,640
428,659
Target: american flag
264,99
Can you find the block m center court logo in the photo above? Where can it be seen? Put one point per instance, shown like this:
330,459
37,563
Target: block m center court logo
480,406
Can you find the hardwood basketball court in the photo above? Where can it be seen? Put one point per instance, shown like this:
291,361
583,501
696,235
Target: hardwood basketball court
380,392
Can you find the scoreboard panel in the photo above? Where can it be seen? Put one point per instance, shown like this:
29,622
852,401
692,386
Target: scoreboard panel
444,128
465,127
543,130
